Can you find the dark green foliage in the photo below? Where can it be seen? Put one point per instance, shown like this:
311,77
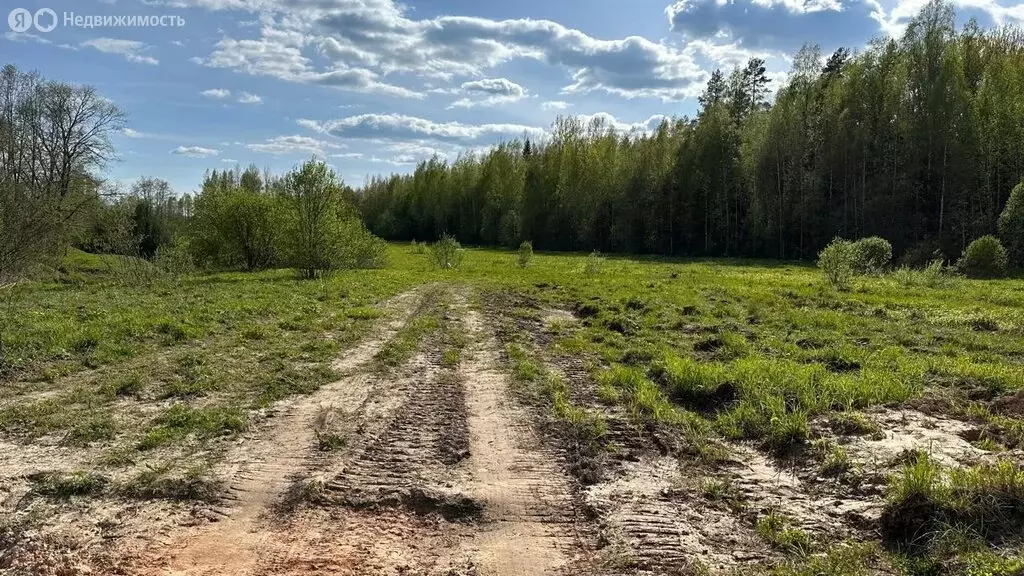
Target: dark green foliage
983,258
914,140
1011,227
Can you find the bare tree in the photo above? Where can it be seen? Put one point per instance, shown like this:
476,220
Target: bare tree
54,137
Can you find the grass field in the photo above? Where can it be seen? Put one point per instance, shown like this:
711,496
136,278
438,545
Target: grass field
713,416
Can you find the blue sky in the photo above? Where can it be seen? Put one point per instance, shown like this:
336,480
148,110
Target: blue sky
373,86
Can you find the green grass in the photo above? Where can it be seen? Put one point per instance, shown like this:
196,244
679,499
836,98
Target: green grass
696,353
927,500
776,530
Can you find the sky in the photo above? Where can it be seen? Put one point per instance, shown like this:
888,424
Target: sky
373,86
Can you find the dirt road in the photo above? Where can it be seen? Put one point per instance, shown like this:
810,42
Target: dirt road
442,474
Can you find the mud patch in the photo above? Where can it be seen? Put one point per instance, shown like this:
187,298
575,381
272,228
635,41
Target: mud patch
419,501
654,527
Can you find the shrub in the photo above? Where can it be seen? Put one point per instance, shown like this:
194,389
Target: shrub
175,259
318,225
837,262
418,247
525,254
983,258
922,254
359,248
872,255
595,262
447,253
1011,226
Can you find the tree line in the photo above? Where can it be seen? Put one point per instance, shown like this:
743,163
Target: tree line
54,144
918,140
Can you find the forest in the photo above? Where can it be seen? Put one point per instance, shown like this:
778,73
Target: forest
919,140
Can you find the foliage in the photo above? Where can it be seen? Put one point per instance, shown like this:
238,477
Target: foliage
1011,226
837,261
871,255
525,254
54,139
447,253
236,220
914,140
983,258
594,264
320,231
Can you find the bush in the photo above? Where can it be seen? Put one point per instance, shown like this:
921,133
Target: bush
525,254
360,248
175,259
447,253
872,255
837,262
922,254
418,247
983,258
595,262
1011,226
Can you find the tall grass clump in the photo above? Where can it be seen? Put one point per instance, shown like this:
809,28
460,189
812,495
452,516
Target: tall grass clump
837,262
934,275
525,254
925,500
594,264
447,253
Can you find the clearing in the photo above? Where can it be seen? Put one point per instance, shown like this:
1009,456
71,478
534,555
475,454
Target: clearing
638,417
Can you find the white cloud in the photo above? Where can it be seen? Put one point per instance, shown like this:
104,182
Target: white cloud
402,127
229,160
366,41
216,93
195,151
247,98
25,37
130,133
348,155
131,50
555,105
294,145
489,92
608,121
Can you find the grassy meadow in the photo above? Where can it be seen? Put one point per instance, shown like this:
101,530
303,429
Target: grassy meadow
148,383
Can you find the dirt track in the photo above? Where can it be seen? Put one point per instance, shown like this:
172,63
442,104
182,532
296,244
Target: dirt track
443,474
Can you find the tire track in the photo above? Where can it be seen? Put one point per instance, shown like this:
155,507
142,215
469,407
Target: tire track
264,468
527,500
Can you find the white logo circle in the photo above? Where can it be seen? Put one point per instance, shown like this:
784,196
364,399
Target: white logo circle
20,20
44,12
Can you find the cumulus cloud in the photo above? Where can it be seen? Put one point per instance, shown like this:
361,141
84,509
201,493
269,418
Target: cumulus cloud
280,55
608,121
247,98
195,151
130,50
216,93
364,41
489,92
294,145
401,127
